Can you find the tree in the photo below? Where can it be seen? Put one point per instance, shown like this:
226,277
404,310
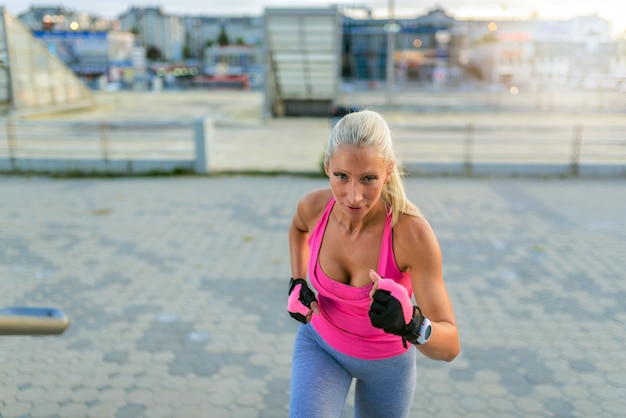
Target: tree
153,53
222,39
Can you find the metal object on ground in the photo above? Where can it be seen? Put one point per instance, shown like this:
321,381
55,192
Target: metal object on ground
24,320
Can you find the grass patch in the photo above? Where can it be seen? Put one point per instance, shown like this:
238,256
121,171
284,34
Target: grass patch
101,212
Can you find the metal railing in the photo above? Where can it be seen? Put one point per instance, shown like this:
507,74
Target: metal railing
524,149
102,146
131,147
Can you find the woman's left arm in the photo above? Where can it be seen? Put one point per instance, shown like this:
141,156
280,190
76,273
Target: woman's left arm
417,250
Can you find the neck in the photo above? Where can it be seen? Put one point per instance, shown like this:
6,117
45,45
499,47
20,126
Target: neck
371,220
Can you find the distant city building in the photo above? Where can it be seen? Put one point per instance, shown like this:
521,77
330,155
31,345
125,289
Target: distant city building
122,51
242,63
85,52
433,49
42,18
205,31
425,48
538,54
162,35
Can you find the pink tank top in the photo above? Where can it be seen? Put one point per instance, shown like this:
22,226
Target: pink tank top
343,319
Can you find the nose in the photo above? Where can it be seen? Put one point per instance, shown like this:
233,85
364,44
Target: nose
354,194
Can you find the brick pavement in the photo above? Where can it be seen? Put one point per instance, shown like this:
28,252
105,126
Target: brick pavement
177,288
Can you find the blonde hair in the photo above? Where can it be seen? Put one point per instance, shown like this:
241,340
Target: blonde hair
367,128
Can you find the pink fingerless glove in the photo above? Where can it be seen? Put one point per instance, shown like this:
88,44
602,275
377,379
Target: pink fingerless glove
401,294
300,299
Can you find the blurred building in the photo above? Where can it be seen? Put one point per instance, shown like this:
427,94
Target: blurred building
162,35
122,54
424,48
84,52
205,31
433,50
303,50
50,18
538,54
235,65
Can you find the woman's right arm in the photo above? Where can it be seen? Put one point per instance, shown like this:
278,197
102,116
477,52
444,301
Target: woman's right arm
298,245
308,212
302,303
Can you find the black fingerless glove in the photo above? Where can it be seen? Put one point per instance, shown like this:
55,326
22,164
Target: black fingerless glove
386,312
300,299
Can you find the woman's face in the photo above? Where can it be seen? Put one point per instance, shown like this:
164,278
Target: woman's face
357,177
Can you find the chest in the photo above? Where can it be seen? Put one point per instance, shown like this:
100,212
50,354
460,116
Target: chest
348,258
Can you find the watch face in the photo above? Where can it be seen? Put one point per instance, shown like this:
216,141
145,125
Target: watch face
427,332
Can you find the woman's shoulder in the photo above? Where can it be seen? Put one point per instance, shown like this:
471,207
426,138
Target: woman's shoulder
415,234
414,242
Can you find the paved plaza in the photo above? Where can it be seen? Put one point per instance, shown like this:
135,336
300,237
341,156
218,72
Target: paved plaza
177,287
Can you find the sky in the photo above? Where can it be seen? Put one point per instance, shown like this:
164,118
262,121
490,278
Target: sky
612,10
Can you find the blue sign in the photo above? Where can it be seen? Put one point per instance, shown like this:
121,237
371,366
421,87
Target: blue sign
85,52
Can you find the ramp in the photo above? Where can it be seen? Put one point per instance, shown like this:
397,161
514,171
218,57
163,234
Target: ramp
303,60
32,80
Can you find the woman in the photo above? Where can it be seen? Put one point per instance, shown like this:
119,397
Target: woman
366,249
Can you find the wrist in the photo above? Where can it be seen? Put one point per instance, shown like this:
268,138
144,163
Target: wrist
419,330
293,282
425,331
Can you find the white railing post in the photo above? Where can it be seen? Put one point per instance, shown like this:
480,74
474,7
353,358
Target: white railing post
11,142
575,149
104,141
468,149
203,131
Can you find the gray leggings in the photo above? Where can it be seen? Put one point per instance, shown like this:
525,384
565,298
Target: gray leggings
321,378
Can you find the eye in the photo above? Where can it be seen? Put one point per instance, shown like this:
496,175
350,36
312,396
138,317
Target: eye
340,175
370,179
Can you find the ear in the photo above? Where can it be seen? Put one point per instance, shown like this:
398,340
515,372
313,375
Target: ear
389,170
326,167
